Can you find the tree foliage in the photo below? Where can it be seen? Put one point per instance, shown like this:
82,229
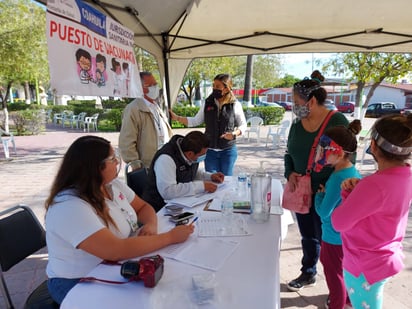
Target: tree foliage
23,48
287,81
370,68
266,70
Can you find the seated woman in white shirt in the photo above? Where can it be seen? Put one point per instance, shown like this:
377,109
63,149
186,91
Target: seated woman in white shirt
92,216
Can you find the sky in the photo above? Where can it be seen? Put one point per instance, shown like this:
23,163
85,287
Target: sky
302,64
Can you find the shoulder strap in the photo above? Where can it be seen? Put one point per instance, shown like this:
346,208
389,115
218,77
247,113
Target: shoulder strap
316,141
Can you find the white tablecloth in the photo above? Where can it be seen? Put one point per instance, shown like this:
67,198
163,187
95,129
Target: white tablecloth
248,279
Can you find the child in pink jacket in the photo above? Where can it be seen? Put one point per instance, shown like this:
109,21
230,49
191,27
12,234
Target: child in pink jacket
373,216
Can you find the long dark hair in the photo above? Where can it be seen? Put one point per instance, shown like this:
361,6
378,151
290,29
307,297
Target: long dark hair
80,170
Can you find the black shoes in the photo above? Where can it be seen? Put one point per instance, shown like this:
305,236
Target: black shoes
303,281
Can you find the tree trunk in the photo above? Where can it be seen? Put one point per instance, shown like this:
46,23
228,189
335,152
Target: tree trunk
198,95
27,93
248,81
4,108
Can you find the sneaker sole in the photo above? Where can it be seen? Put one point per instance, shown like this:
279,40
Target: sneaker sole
293,289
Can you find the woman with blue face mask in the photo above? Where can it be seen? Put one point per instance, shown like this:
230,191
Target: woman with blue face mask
224,121
309,98
175,170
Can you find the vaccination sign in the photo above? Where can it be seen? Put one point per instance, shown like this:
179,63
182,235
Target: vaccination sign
89,53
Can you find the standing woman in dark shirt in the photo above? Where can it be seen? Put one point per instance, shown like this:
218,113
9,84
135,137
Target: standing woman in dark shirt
224,121
309,98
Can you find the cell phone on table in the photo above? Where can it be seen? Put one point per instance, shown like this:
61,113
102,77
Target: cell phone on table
183,218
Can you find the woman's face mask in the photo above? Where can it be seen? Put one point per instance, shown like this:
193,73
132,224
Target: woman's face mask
153,92
301,111
217,93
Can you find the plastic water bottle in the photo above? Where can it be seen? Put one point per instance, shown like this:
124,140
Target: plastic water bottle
227,206
227,215
242,185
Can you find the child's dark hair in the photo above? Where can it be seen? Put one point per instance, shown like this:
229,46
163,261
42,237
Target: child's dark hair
346,136
397,130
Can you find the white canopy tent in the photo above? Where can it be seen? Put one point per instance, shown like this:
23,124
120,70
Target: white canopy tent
177,31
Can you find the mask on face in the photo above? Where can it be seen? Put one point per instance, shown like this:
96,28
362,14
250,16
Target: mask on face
301,111
217,93
153,92
201,158
325,148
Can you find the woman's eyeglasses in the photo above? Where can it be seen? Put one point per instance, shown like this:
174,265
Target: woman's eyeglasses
114,158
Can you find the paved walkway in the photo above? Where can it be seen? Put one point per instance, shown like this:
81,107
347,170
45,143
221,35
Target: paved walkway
27,178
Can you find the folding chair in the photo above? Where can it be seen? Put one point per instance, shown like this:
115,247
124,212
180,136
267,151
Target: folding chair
136,179
21,235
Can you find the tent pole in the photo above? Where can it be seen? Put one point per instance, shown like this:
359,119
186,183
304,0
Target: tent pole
167,76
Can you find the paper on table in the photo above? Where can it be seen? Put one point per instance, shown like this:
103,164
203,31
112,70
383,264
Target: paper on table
212,225
191,201
208,253
216,203
198,199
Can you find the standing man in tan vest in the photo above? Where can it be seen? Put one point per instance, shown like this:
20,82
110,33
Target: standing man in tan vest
145,128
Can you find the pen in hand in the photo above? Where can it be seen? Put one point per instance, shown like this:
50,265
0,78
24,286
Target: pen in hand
194,220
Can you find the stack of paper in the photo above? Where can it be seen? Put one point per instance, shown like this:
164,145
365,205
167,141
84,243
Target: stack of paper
191,201
208,253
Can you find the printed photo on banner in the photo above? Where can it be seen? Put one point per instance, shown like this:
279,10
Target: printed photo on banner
90,53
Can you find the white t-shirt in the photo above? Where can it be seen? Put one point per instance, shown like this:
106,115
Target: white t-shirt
71,220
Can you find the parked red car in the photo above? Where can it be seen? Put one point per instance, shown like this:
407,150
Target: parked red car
346,107
286,105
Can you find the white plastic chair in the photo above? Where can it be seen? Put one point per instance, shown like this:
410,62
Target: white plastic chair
91,122
78,120
67,116
61,117
254,124
278,134
5,139
48,116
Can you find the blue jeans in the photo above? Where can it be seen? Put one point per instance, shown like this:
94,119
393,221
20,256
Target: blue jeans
59,287
221,161
310,228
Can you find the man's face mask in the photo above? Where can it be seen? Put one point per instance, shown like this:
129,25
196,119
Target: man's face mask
153,92
201,158
325,148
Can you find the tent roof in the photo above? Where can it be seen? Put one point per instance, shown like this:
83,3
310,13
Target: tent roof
176,31
200,28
